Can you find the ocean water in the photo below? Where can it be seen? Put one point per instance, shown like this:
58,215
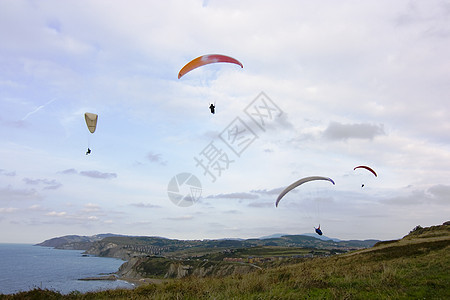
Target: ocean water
25,267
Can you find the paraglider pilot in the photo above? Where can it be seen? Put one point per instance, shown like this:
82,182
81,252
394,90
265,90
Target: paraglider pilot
88,151
212,108
318,231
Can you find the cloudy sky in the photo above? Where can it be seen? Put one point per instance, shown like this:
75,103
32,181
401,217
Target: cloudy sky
325,87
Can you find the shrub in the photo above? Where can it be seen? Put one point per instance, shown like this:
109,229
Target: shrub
416,229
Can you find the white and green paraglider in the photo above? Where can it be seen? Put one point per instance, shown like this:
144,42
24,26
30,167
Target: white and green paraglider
91,122
298,183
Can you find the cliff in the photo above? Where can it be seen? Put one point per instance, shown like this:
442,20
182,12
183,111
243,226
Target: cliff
157,267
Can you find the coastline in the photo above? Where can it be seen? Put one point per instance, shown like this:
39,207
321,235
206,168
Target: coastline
111,277
115,276
28,267
133,281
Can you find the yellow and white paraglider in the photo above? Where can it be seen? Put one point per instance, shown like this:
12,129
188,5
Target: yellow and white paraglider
91,122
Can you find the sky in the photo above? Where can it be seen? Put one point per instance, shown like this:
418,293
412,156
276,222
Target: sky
325,87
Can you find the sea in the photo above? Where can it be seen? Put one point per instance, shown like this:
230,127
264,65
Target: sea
24,267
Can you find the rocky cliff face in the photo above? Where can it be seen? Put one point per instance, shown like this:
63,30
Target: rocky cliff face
165,268
128,269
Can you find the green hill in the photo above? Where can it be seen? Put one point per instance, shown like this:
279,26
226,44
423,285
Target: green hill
414,267
126,247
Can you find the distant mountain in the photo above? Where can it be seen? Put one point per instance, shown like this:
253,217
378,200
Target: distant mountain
272,236
322,237
119,245
76,242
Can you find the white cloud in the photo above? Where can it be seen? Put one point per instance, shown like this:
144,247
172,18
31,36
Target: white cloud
156,158
98,174
56,214
91,207
36,207
145,205
7,173
181,218
69,171
337,131
11,193
242,196
4,210
49,184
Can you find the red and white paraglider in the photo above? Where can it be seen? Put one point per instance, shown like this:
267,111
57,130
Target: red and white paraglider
368,169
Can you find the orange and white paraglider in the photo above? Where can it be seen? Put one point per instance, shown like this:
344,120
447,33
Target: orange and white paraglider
206,60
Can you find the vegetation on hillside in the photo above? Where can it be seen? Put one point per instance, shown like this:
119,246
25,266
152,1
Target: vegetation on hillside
125,247
414,267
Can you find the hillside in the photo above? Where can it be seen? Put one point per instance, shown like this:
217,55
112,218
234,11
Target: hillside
414,267
125,247
156,257
74,242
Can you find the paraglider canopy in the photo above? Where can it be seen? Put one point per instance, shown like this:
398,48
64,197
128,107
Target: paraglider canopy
91,121
300,182
367,168
205,60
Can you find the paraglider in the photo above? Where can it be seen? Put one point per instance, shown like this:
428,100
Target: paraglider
91,122
205,60
367,168
300,182
212,108
318,231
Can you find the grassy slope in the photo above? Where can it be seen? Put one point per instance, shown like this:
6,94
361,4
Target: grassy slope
413,267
